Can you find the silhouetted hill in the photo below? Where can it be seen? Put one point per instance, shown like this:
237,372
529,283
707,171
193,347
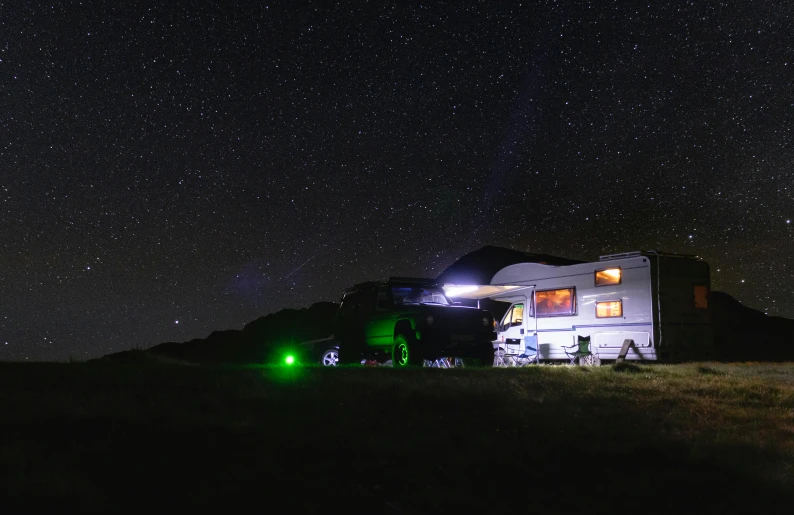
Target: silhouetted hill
219,346
258,342
293,324
740,333
745,334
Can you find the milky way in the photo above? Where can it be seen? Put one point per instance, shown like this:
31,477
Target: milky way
209,163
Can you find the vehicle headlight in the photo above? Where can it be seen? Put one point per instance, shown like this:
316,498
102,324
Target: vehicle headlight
485,321
429,320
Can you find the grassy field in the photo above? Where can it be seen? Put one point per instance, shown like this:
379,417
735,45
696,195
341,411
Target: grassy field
651,439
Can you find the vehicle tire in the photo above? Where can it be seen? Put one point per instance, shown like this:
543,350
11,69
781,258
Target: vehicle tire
404,352
330,358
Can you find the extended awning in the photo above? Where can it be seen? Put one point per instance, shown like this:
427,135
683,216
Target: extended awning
480,291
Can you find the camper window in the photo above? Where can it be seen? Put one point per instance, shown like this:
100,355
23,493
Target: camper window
555,302
517,315
514,316
404,295
383,298
607,277
609,309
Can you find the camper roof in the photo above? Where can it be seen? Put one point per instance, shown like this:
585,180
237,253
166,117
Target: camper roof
636,253
621,255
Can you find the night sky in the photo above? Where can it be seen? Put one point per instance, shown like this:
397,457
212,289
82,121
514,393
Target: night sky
169,170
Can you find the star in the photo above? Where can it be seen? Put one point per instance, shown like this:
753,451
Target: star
227,177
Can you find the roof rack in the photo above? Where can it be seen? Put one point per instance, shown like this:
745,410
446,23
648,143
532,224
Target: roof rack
409,280
622,255
362,285
609,257
672,254
421,280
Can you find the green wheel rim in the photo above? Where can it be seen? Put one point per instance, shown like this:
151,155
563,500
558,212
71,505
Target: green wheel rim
402,354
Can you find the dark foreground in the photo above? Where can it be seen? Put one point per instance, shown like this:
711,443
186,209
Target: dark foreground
692,439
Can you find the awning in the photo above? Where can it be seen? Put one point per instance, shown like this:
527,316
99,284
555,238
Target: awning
479,291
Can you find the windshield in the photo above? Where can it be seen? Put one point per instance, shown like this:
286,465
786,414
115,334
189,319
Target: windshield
418,295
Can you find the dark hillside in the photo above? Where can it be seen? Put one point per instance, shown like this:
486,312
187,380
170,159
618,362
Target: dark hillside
258,342
745,334
740,333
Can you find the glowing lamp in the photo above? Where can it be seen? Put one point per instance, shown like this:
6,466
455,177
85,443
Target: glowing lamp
454,291
289,360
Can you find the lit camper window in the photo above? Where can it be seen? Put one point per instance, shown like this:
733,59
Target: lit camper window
555,302
607,277
701,296
517,318
514,317
609,309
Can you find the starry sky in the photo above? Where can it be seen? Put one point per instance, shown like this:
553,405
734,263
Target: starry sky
168,169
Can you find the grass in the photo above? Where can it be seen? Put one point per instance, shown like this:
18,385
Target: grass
707,437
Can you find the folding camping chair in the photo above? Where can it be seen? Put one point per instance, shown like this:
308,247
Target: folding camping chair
501,358
505,358
581,352
530,354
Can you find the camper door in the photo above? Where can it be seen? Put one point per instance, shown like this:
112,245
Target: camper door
512,328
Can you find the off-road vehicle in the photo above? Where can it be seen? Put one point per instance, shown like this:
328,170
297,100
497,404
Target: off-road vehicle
410,321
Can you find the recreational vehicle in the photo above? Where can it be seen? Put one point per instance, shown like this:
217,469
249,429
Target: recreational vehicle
637,306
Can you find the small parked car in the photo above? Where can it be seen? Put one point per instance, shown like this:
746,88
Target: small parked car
324,351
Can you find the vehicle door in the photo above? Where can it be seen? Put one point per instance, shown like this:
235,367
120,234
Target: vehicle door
348,329
512,327
380,326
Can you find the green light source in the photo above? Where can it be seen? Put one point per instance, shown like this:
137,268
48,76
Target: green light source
290,359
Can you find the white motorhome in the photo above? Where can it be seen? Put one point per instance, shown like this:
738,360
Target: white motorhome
658,301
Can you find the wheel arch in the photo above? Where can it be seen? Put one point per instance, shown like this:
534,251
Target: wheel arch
405,326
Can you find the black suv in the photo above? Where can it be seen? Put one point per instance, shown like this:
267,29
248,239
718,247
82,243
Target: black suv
409,321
